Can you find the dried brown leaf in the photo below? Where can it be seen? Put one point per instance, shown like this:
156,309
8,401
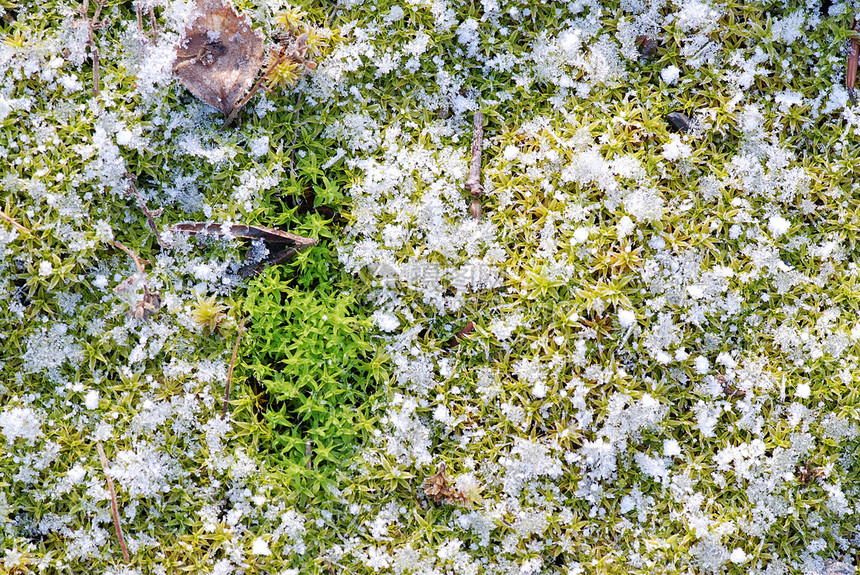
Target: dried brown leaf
219,55
244,231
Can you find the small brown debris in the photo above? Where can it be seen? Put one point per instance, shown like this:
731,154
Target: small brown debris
808,473
647,45
148,306
475,209
467,329
679,122
440,490
219,55
728,388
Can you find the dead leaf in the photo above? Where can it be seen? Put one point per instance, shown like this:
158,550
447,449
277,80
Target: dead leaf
219,55
295,242
244,231
440,490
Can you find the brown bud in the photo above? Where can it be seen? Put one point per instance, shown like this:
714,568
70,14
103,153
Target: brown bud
475,209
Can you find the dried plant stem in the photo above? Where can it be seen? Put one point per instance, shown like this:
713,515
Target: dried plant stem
309,453
853,58
150,214
138,261
256,88
230,370
154,24
92,25
473,182
297,55
113,506
14,223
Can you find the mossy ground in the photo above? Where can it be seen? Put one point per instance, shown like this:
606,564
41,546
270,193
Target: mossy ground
662,375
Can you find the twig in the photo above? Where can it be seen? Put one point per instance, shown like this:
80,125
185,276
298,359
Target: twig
138,261
150,214
473,182
230,370
139,18
309,453
113,507
14,223
92,25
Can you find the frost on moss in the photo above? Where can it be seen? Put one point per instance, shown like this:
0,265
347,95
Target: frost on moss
661,369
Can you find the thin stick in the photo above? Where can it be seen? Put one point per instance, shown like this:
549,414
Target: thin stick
138,261
473,182
113,506
150,214
230,371
15,224
92,24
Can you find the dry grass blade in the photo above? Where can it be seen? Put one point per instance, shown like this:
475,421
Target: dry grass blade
219,55
113,506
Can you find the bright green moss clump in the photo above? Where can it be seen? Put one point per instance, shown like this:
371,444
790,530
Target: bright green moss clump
311,351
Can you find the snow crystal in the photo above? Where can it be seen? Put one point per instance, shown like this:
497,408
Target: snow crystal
624,227
49,349
670,74
385,321
20,422
738,556
675,149
260,547
626,317
707,417
671,448
644,204
778,225
91,400
789,29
